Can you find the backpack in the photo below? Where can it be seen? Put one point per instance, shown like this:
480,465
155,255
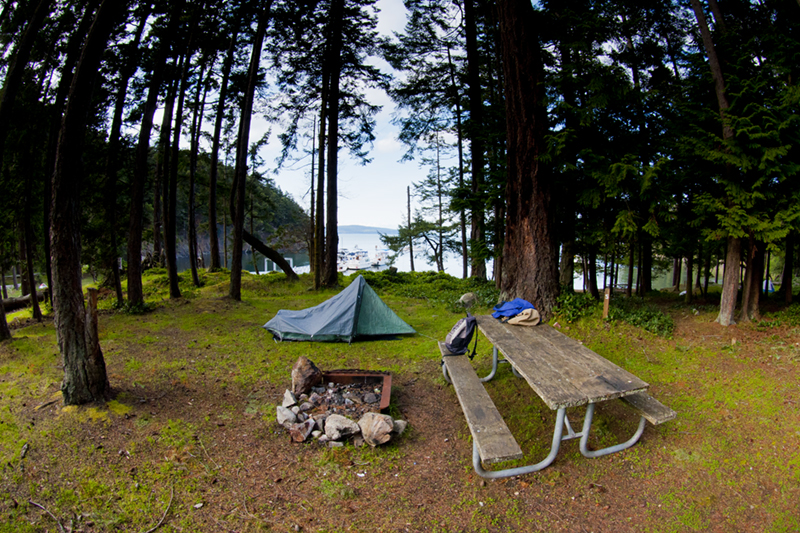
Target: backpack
457,341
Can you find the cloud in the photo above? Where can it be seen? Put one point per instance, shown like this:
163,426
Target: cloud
388,145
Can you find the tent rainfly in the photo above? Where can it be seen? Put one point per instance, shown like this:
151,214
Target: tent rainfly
357,311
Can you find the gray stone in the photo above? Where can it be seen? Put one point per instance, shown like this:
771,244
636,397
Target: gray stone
301,431
315,398
376,428
468,300
371,397
399,426
348,402
305,375
295,409
286,416
306,406
288,399
316,434
339,427
335,444
321,422
324,438
358,441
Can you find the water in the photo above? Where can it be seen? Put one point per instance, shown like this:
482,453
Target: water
350,241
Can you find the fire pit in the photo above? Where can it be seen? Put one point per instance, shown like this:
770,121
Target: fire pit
381,380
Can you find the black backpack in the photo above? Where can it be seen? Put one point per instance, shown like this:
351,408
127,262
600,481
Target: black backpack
457,341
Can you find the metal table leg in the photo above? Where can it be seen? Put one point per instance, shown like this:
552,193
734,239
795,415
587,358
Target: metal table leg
509,472
587,425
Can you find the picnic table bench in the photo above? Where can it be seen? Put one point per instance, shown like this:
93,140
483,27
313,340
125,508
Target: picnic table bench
564,374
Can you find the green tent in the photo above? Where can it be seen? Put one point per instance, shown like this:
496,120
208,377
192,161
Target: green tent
355,312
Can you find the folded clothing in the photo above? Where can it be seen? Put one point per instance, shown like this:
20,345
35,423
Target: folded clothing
512,308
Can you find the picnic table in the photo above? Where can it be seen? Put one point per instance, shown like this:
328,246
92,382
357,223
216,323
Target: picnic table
564,374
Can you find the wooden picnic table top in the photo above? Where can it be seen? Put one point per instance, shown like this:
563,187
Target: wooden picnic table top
562,371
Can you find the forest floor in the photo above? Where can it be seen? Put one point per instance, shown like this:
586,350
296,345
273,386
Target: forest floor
190,441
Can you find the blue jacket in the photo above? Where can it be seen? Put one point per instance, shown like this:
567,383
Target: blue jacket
512,308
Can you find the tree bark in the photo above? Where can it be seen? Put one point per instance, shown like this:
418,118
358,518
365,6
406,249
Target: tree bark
530,255
163,166
213,172
271,254
788,269
730,282
85,377
242,148
462,217
140,168
751,288
330,278
478,262
689,273
197,123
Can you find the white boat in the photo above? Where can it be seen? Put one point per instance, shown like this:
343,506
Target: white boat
358,259
341,260
380,258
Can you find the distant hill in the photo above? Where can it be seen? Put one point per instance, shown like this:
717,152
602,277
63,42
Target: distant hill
354,230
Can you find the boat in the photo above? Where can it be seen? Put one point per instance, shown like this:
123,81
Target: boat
381,257
358,259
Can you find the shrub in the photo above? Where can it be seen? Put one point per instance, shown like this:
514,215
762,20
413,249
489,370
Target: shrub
645,316
570,305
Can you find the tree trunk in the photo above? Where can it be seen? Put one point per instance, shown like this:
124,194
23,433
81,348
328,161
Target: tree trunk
592,274
689,273
242,149
788,269
141,167
197,123
163,167
730,282
85,377
36,311
462,217
410,238
476,141
631,263
330,278
530,255
271,254
751,288
213,171
319,228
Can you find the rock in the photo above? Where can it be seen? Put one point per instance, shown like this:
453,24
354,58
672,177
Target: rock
316,434
306,406
468,300
321,422
285,416
303,398
371,397
376,428
348,402
324,438
295,409
301,431
338,427
305,375
315,398
288,399
334,444
302,417
358,441
399,427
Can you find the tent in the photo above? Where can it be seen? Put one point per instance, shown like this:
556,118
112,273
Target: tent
357,311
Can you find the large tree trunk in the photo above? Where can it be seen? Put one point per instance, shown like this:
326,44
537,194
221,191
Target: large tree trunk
271,254
530,255
162,176
197,123
689,272
242,148
730,282
141,167
330,278
751,288
85,377
213,171
476,141
319,228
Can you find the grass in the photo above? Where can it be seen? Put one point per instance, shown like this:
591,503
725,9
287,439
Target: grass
192,422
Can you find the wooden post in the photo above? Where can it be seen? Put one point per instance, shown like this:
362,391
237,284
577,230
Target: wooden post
606,301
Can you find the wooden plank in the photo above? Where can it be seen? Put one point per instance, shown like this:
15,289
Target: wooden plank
650,408
563,372
490,433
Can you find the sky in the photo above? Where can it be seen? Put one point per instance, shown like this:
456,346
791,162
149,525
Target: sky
373,194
